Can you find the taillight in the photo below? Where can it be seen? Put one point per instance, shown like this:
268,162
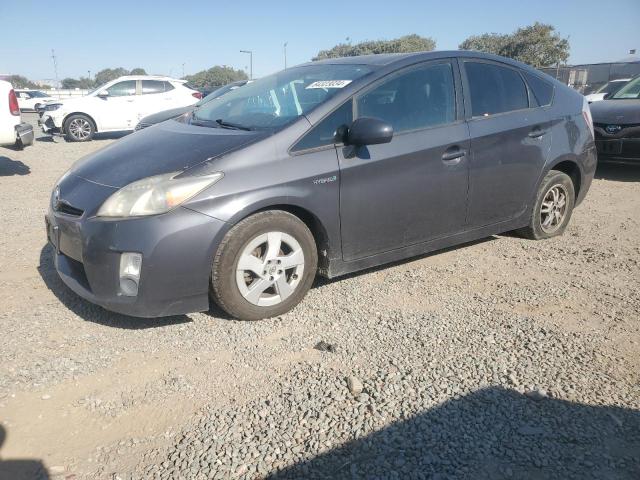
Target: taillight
198,95
586,113
13,103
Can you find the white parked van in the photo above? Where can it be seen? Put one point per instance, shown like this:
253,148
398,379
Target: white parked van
116,106
12,130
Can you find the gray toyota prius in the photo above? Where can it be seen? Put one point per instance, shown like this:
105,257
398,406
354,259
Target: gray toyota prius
325,168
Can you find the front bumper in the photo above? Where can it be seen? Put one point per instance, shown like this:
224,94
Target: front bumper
48,124
177,250
620,145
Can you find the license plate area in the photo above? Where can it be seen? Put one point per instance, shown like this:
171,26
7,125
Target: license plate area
610,147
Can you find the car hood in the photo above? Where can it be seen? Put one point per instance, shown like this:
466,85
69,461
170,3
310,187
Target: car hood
167,147
77,102
165,115
616,111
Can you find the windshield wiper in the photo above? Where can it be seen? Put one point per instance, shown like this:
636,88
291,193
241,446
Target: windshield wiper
235,126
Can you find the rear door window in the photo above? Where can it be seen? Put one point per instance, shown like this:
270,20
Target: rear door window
495,89
155,86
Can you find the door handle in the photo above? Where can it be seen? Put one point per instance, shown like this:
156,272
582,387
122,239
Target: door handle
537,132
453,153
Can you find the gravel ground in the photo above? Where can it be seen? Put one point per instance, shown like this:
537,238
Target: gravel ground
505,358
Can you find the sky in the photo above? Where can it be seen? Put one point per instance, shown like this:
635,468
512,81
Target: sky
160,36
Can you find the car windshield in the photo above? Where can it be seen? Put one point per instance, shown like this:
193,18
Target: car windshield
612,87
630,91
279,99
36,93
218,93
97,89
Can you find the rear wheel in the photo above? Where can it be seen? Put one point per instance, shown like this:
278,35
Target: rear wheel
264,266
553,207
79,128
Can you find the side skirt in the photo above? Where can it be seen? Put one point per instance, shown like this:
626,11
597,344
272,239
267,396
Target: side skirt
338,267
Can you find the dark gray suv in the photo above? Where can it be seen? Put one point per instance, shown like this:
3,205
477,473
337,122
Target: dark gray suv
329,167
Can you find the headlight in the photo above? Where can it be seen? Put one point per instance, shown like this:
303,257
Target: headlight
154,195
52,106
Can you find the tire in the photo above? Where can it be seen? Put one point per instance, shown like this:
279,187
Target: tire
546,203
250,280
79,128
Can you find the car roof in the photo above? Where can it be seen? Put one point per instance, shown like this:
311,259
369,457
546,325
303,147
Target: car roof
384,59
150,77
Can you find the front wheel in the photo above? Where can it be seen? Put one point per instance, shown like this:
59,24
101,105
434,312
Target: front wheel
264,266
553,207
79,128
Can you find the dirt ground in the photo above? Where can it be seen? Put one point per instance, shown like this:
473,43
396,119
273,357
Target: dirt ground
88,393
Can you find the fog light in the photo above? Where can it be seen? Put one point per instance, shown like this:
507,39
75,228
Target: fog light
130,265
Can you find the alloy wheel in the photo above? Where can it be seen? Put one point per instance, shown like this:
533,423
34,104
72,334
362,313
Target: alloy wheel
79,128
553,209
270,268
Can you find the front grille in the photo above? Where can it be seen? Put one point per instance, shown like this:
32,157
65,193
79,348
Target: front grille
626,130
67,209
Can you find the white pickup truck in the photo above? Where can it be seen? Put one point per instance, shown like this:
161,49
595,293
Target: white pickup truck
13,131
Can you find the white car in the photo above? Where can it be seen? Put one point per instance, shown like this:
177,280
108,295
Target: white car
28,100
12,130
116,106
607,89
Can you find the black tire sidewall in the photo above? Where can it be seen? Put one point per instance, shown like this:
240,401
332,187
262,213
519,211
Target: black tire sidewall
554,177
225,291
70,137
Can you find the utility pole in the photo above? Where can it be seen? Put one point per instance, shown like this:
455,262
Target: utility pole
250,52
183,70
55,66
89,73
285,55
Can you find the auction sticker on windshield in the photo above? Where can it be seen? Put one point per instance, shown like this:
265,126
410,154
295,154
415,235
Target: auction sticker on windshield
329,84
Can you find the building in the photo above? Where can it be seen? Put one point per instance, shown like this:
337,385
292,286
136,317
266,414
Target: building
588,78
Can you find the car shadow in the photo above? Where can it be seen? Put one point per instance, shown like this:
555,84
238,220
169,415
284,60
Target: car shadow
618,172
322,281
9,167
492,433
21,468
87,310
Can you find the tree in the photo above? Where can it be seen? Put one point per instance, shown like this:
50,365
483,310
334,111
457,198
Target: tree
83,83
215,77
538,45
138,71
108,74
406,44
18,81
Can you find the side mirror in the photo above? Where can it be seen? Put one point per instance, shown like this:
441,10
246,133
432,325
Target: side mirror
369,131
103,93
606,95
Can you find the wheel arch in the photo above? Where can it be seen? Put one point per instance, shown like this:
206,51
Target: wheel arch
326,248
570,166
68,115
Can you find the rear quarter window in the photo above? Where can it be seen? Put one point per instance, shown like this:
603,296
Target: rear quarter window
541,90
